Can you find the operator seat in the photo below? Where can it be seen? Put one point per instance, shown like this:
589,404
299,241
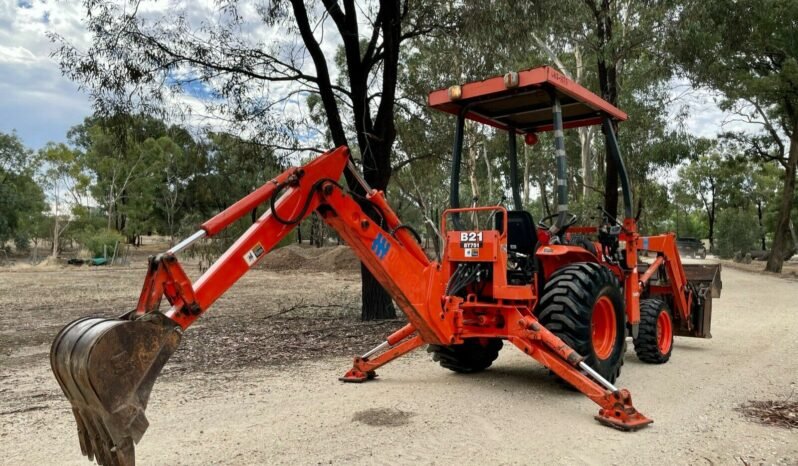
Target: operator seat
521,238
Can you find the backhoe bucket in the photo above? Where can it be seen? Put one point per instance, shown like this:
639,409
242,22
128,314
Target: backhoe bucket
106,368
705,280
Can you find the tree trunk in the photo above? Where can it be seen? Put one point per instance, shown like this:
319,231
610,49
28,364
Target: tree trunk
712,232
489,174
761,226
526,175
377,303
608,83
317,231
375,136
586,156
54,253
56,230
472,177
544,199
779,248
110,209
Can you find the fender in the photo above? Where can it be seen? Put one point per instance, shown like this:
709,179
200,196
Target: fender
555,256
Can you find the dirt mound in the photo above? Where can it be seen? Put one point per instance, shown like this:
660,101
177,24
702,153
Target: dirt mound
311,259
338,258
287,258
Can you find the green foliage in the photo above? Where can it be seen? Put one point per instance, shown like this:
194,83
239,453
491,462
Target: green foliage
21,209
746,50
124,167
737,232
710,183
99,241
21,199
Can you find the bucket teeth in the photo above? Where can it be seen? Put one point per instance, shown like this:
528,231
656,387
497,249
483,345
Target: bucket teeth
106,369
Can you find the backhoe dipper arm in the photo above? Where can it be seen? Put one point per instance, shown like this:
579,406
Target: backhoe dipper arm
388,249
295,188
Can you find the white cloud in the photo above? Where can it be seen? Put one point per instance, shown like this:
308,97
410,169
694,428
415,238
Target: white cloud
704,117
37,101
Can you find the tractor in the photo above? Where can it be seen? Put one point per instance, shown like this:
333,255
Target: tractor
568,296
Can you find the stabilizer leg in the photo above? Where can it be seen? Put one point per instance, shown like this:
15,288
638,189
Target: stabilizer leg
616,410
363,367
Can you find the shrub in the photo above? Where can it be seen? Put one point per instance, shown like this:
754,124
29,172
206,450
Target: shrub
737,231
98,241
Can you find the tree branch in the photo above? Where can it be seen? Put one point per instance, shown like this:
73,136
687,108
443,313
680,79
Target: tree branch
322,72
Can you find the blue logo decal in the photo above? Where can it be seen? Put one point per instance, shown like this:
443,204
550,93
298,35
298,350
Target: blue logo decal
380,246
645,242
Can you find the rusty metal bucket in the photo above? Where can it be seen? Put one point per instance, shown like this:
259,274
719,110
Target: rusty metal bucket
705,280
704,276
106,369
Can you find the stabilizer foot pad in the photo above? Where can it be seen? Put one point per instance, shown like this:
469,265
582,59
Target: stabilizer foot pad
356,376
620,414
624,426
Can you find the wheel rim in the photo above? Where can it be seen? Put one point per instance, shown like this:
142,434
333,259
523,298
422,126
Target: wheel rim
603,327
664,332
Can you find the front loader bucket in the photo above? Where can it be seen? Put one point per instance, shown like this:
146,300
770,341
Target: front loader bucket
106,368
704,279
704,276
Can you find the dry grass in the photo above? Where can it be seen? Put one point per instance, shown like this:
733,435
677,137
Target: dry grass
772,413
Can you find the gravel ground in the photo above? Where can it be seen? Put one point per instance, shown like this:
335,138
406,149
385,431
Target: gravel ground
231,396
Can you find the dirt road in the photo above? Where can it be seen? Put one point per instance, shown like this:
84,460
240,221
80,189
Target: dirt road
216,409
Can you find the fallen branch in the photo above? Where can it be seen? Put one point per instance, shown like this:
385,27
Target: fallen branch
23,410
772,413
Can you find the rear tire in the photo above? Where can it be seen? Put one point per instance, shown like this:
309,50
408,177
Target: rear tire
474,355
654,342
582,305
585,244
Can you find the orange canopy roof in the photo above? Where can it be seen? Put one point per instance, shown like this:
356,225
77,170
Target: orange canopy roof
526,105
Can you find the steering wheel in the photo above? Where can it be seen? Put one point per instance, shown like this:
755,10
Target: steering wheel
570,221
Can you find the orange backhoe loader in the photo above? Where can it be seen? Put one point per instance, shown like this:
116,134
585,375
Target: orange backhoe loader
567,296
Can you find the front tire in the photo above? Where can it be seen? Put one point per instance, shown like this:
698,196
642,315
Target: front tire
582,304
474,355
654,342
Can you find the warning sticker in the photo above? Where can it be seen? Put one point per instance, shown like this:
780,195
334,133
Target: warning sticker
472,252
254,254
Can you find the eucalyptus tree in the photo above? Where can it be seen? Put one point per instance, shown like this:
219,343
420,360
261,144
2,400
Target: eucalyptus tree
256,64
746,50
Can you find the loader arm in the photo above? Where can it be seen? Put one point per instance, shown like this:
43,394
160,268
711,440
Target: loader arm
110,393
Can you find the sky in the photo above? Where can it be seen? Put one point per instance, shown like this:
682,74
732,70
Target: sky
35,100
40,104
